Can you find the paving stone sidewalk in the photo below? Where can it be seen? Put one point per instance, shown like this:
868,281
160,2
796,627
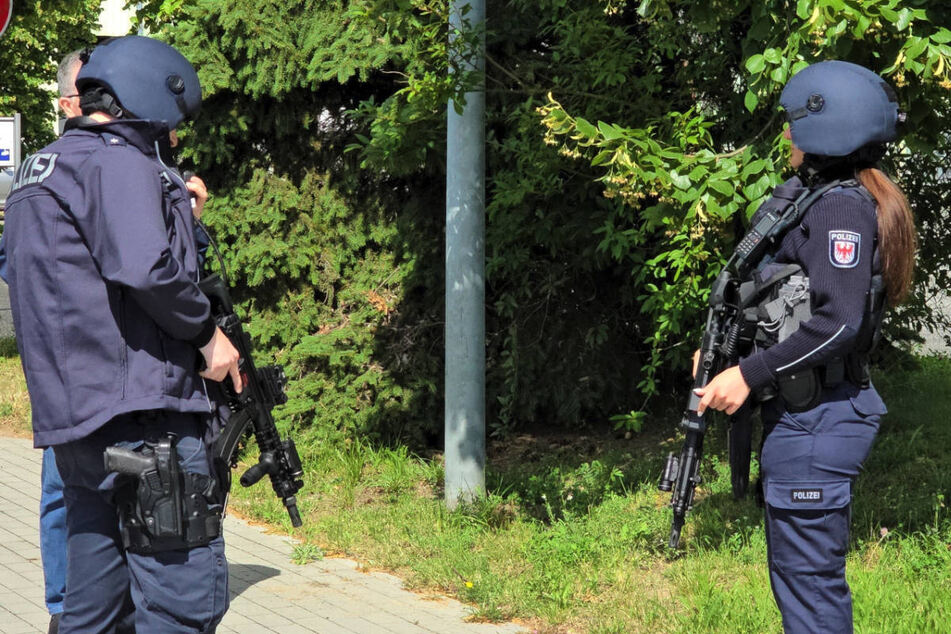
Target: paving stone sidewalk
269,593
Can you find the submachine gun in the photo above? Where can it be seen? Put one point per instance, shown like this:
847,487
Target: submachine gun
251,408
719,349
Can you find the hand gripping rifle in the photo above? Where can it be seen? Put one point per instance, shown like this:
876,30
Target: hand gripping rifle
251,408
719,350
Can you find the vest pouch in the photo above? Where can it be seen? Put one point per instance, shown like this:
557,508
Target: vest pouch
800,391
784,304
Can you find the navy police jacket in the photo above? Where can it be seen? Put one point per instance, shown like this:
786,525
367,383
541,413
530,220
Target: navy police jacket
102,268
835,246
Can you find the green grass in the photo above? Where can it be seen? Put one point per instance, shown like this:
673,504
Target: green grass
14,402
571,537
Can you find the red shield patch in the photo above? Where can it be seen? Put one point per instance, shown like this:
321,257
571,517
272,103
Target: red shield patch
844,248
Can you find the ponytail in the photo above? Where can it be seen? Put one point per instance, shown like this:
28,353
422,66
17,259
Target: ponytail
896,233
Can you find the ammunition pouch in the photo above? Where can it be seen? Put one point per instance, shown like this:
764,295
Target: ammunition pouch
162,508
784,305
800,391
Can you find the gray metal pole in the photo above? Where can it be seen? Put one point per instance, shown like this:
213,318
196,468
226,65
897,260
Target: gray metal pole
465,268
17,140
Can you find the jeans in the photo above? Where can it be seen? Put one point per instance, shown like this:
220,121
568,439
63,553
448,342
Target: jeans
53,533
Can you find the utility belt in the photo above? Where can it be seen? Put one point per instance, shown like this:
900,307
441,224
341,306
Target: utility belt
802,391
161,507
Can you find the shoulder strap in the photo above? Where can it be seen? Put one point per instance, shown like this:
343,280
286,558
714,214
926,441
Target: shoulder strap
771,227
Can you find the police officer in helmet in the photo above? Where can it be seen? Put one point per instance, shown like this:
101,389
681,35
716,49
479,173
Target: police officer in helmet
852,253
112,330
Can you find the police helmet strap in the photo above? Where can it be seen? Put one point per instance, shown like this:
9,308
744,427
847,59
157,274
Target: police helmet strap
97,99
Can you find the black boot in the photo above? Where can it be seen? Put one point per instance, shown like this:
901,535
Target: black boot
54,623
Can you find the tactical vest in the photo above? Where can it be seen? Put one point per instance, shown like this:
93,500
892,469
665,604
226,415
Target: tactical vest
777,301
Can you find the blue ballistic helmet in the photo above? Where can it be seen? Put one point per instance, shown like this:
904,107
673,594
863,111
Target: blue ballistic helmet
137,77
836,108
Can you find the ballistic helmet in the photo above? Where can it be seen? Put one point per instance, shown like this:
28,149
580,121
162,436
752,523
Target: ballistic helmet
137,77
835,108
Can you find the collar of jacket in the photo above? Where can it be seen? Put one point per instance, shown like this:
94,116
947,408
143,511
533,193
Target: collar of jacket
789,190
139,133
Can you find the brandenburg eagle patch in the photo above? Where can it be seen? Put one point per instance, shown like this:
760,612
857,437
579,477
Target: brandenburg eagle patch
844,248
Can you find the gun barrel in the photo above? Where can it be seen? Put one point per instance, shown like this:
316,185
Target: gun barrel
685,482
291,504
675,527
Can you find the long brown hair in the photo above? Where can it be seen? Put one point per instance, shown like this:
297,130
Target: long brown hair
896,233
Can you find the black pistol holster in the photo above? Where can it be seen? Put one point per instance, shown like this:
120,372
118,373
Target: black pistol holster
161,507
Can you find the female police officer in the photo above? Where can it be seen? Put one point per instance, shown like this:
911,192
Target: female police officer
819,429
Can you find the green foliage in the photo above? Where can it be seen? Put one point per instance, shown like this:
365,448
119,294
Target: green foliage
8,348
334,265
40,34
558,493
683,175
306,553
627,143
559,342
631,422
350,464
906,481
586,257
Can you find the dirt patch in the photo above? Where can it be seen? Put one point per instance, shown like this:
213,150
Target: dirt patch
545,445
14,429
369,495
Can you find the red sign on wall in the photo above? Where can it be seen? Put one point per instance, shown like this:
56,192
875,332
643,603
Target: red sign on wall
6,12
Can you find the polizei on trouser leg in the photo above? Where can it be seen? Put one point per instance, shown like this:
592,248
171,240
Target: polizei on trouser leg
807,534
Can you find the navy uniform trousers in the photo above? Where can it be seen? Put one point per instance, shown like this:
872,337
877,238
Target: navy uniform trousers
809,461
107,588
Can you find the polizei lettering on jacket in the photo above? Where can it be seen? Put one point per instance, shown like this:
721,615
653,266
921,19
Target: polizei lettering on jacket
35,169
806,495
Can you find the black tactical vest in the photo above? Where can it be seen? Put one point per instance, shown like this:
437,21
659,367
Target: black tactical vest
777,301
